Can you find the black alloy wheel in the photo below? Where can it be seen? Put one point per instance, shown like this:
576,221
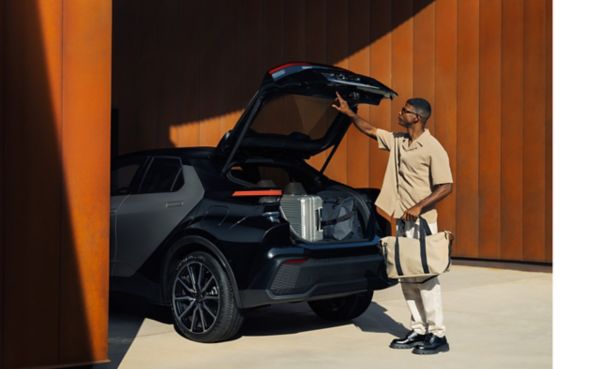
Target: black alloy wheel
202,301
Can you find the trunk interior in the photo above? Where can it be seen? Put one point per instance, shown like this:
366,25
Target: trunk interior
318,210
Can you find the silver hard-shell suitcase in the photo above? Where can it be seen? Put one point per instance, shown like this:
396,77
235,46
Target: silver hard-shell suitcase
303,212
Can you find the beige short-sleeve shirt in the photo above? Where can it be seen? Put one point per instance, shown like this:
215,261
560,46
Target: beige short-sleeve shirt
412,172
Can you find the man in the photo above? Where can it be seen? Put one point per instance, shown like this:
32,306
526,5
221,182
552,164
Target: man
417,177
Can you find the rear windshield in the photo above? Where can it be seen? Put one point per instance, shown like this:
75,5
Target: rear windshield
295,115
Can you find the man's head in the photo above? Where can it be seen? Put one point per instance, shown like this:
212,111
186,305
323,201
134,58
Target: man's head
415,110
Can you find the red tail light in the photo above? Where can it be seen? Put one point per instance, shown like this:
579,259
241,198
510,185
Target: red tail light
258,193
285,66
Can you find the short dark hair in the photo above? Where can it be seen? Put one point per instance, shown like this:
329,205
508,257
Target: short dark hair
422,107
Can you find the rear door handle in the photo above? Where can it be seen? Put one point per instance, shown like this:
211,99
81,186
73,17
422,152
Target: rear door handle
174,204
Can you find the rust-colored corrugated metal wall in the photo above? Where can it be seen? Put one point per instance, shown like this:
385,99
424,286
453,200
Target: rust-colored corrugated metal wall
54,167
183,72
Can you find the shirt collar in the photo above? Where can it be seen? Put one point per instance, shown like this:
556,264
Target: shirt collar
416,143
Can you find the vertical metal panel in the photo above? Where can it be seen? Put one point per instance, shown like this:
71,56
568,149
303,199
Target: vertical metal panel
2,146
31,181
380,23
86,65
226,12
294,45
243,25
316,30
490,128
125,57
512,130
337,50
166,93
146,127
357,162
534,178
273,32
247,24
548,128
402,60
209,30
467,156
424,55
316,51
185,86
446,68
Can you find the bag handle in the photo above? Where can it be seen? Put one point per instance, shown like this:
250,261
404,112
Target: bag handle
424,227
424,231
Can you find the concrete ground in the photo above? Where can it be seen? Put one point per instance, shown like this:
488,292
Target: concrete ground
495,318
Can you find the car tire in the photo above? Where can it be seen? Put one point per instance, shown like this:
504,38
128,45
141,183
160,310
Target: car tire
202,301
342,308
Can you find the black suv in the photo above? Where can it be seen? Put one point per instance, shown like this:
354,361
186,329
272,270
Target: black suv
211,232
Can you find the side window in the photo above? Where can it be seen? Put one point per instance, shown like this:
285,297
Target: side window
123,175
164,175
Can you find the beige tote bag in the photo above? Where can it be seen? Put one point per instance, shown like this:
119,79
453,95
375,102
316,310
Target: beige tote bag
429,255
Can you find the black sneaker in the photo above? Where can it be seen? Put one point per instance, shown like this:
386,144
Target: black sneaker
432,345
411,340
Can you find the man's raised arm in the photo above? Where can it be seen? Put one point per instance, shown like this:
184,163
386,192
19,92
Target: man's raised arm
364,126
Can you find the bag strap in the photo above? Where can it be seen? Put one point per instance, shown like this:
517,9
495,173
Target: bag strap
397,257
333,221
424,226
424,231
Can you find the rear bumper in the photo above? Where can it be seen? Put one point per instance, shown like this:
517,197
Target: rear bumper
290,278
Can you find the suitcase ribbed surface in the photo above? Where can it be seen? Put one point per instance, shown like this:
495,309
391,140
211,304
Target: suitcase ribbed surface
303,212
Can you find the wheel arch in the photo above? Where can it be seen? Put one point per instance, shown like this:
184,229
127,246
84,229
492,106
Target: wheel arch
186,244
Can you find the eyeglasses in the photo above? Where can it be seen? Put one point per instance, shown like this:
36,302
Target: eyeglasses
404,111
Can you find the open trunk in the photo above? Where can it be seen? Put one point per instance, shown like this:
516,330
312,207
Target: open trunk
317,210
291,114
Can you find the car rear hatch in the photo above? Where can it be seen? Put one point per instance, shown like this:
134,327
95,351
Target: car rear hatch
291,114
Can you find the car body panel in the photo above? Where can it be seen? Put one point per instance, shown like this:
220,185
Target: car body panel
143,221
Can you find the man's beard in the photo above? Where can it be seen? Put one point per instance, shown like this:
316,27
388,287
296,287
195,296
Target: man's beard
403,123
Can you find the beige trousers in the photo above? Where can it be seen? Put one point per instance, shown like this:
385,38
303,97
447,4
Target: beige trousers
424,299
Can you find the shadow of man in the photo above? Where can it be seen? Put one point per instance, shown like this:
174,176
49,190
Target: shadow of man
375,319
